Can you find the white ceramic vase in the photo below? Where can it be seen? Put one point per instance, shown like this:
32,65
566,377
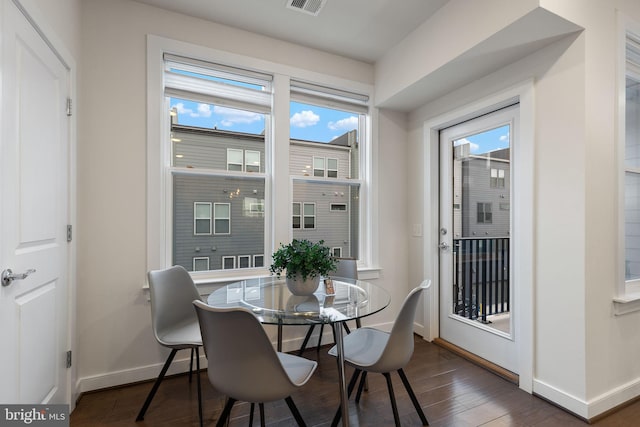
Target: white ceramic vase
297,286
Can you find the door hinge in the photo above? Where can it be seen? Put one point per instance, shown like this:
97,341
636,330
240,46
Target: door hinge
69,233
69,103
68,359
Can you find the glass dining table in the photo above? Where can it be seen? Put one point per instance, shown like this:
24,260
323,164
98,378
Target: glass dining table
273,304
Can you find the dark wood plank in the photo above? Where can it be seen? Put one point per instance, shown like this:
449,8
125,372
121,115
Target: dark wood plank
451,390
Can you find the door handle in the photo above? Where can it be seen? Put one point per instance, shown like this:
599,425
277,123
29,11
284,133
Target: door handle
9,276
444,246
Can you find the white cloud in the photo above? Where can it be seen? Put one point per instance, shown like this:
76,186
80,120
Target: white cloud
204,110
180,108
504,138
230,116
304,119
349,123
473,147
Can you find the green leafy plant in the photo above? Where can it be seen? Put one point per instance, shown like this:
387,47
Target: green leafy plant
303,257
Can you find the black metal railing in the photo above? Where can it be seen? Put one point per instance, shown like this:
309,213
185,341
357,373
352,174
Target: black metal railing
480,277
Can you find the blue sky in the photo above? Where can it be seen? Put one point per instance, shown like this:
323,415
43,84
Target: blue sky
308,122
491,140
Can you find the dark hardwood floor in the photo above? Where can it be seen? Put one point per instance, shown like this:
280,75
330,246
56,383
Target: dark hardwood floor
451,390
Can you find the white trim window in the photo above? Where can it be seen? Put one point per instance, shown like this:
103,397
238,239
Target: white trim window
336,174
244,261
632,161
228,262
258,260
200,263
212,136
201,218
485,215
222,218
336,252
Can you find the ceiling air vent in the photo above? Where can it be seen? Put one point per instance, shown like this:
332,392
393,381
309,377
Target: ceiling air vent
311,7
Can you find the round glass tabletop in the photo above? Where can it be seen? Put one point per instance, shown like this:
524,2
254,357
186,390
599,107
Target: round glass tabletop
272,302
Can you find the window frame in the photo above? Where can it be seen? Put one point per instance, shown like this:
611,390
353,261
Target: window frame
241,257
627,297
228,219
241,164
201,258
159,240
195,218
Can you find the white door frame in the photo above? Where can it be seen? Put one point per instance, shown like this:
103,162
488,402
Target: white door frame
40,23
523,204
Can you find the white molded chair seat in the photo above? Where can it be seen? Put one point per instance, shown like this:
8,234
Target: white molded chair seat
243,364
372,350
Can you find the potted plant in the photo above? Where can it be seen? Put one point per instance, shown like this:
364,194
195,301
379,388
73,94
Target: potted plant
304,262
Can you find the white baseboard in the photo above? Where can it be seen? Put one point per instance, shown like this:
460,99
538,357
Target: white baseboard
594,407
179,365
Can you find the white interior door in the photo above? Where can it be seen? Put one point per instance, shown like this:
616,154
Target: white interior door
476,235
34,205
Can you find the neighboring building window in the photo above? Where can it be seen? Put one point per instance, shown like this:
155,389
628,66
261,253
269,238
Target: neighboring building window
200,264
632,160
336,252
201,218
328,139
332,168
308,215
222,218
258,260
244,261
318,166
234,159
497,178
228,262
251,161
296,221
484,213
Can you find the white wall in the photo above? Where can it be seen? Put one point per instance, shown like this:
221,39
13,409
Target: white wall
115,339
585,357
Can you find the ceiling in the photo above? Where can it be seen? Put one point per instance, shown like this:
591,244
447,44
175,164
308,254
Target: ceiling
358,29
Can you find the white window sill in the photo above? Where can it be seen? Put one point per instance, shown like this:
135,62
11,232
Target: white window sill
628,303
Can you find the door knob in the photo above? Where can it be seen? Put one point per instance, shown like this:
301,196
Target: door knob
444,246
9,276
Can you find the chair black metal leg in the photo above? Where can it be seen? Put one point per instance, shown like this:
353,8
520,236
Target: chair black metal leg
191,365
346,327
306,339
363,381
350,387
412,395
225,412
261,406
152,393
294,411
320,338
199,386
251,414
394,407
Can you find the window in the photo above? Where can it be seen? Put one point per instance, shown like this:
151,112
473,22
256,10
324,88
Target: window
497,178
201,218
632,160
244,261
484,213
327,126
296,221
318,166
308,215
222,218
336,252
234,159
211,140
252,161
258,260
228,262
200,263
